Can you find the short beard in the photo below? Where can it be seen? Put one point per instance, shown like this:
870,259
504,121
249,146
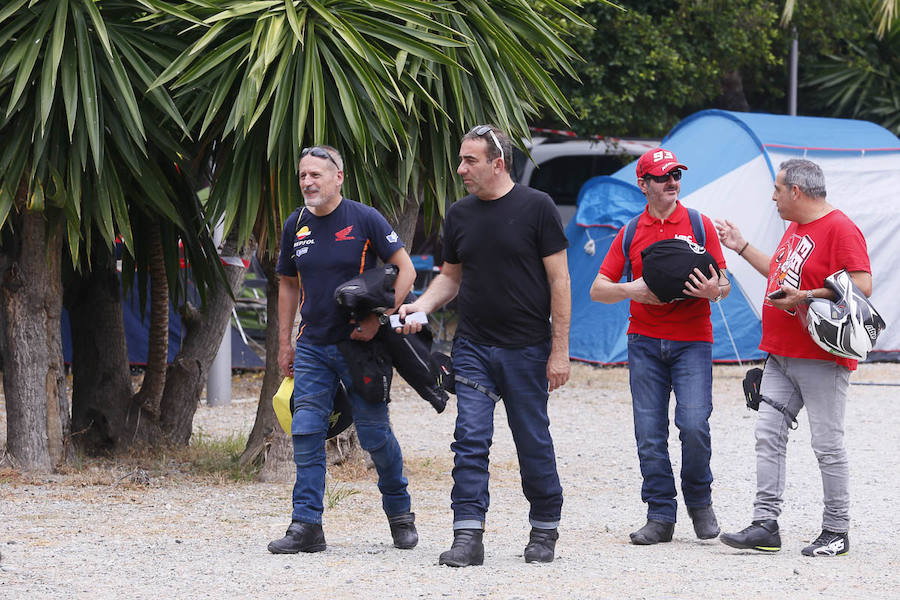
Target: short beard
315,202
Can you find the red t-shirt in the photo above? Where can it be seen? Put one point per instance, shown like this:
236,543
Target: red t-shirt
682,320
806,255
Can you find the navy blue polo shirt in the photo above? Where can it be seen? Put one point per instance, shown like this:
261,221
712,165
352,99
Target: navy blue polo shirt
327,251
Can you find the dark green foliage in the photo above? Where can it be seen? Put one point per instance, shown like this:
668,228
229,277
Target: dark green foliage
657,62
651,65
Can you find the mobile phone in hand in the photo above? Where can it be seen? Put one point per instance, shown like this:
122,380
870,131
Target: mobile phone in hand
416,317
777,294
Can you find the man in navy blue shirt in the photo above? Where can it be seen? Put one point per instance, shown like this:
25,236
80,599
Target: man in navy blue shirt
324,243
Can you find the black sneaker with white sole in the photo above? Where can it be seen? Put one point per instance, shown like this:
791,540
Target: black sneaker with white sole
829,543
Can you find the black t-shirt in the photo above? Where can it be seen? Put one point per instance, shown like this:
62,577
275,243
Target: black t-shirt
504,297
327,251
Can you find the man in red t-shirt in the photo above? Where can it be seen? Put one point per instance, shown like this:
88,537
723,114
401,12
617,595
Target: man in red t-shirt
669,347
820,241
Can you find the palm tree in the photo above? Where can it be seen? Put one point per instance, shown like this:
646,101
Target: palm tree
393,85
862,79
80,161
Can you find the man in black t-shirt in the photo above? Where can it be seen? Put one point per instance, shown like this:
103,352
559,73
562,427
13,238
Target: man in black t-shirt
504,253
324,243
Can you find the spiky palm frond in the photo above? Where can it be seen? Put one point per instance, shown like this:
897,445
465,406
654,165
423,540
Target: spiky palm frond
864,82
391,83
84,140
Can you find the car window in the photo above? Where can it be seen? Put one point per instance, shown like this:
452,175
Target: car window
562,177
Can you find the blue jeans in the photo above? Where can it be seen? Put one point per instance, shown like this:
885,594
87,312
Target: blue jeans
519,376
317,370
656,367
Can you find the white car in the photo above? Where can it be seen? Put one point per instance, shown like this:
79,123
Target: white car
561,165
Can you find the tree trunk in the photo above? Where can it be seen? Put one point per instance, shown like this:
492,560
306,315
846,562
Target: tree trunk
203,333
404,222
733,97
104,415
37,408
268,444
150,394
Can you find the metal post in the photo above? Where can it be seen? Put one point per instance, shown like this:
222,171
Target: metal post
218,383
792,89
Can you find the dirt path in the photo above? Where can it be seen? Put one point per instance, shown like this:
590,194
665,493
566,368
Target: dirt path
174,537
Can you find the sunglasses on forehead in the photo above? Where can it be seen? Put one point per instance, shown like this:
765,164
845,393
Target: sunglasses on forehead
480,130
675,174
319,153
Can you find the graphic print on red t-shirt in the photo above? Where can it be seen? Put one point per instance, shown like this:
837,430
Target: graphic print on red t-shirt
790,257
806,255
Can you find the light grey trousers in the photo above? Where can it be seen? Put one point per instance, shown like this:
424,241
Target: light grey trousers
821,386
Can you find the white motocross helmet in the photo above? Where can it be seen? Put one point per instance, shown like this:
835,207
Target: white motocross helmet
849,325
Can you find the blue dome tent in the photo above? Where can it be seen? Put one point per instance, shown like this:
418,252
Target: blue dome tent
732,160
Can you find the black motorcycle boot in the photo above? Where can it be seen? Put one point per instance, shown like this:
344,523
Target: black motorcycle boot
403,530
541,545
653,532
300,537
467,549
705,524
762,535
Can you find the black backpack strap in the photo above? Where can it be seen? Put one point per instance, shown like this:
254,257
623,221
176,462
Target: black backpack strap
697,226
627,238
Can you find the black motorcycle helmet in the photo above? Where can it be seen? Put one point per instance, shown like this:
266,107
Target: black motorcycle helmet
669,263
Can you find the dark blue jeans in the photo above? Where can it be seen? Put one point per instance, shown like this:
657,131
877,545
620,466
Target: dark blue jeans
317,370
656,368
519,376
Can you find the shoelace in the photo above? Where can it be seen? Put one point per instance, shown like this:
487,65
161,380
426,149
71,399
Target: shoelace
825,538
752,526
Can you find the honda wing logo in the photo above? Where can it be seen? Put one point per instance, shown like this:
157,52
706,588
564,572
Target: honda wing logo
344,234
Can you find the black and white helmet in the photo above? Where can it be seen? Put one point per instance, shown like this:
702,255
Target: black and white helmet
849,325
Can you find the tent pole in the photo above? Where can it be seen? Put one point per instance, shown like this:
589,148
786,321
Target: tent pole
730,337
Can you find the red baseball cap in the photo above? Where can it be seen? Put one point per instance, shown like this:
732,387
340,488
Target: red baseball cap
658,161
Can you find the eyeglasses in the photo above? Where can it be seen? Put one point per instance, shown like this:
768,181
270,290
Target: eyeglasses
675,174
319,153
480,130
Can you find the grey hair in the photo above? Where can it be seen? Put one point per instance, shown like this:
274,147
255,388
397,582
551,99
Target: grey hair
338,159
806,175
492,151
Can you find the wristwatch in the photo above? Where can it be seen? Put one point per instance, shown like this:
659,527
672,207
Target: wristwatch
717,298
383,319
810,296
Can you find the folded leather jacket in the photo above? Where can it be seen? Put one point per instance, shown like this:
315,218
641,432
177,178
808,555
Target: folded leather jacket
371,363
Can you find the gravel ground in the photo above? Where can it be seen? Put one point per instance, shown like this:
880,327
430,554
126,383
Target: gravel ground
66,537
